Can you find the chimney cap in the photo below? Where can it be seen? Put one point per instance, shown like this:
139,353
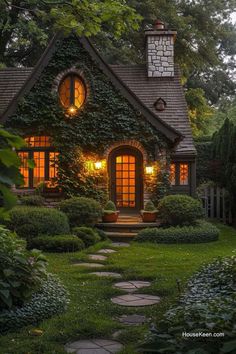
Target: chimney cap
159,25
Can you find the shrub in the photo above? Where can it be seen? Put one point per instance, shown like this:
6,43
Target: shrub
110,206
49,300
61,243
149,206
29,222
20,271
180,210
81,211
32,200
201,232
87,235
102,234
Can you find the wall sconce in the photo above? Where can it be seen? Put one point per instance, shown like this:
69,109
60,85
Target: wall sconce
149,170
98,165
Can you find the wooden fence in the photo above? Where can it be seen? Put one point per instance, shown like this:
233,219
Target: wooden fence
215,204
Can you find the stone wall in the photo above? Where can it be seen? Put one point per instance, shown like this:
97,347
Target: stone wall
160,53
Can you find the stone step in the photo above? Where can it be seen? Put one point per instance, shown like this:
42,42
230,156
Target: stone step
126,227
121,236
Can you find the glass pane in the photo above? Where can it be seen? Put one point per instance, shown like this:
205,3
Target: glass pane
64,91
79,92
126,159
24,170
184,174
39,169
53,168
119,159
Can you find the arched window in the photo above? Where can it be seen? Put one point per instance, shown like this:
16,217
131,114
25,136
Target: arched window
72,92
40,150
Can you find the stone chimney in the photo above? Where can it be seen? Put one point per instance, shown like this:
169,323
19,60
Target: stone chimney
160,50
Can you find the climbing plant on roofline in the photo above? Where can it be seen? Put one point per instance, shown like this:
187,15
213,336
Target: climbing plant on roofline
106,118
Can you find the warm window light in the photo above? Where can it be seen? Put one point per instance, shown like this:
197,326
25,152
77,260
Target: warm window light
98,165
149,170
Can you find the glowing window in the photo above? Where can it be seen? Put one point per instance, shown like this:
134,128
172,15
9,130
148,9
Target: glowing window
72,91
183,174
172,174
125,181
40,150
38,141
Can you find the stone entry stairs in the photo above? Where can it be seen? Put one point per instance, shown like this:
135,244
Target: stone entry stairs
126,228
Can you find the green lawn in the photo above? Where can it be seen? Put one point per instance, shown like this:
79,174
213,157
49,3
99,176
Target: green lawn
91,313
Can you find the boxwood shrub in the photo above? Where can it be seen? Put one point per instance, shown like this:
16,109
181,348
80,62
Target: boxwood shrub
179,210
60,243
202,232
81,211
32,200
29,222
49,300
88,235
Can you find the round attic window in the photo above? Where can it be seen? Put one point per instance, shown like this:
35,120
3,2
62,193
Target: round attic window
72,92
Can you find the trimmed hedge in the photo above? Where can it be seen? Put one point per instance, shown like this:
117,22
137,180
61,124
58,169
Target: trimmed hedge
32,200
180,210
61,243
202,232
87,235
29,222
51,299
81,211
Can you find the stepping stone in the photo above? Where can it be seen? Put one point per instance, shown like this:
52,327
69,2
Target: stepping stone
120,244
136,300
107,274
131,286
89,265
132,320
97,257
106,250
94,346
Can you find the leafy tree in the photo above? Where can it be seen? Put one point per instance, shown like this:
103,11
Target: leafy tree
9,169
26,25
200,113
224,152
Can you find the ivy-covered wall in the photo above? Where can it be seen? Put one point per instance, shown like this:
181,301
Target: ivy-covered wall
105,119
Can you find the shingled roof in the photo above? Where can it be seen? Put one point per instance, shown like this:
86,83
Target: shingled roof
141,91
148,90
11,81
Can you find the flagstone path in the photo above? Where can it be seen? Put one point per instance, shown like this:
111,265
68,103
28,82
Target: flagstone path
132,299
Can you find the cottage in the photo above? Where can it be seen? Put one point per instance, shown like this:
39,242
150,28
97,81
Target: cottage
102,130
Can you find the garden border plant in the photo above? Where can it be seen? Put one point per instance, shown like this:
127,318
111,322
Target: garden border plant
203,231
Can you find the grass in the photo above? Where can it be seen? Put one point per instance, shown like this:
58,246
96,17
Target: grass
91,313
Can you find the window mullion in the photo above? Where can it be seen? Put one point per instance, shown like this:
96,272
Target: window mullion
72,85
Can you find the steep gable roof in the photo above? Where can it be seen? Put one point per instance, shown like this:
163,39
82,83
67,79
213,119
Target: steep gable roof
29,77
148,90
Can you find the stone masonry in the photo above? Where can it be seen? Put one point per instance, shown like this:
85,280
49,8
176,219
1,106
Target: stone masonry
160,53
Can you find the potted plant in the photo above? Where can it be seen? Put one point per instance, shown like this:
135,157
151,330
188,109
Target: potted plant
110,214
149,214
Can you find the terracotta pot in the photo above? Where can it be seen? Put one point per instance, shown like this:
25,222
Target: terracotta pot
148,216
110,217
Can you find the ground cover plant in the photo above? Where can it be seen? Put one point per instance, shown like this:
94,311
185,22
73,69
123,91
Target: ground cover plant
91,313
27,293
208,306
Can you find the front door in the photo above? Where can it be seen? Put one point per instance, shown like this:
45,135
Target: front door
126,179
